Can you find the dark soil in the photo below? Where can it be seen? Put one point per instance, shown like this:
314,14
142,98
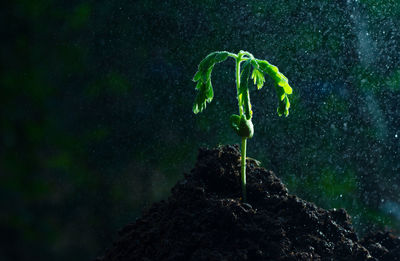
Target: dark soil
205,219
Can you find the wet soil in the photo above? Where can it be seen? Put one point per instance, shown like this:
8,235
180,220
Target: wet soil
205,219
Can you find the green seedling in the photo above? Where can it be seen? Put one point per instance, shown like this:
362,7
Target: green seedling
251,68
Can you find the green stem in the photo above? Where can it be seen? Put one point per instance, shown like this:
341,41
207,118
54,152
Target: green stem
238,61
243,169
234,56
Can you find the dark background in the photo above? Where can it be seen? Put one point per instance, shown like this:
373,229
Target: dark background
96,121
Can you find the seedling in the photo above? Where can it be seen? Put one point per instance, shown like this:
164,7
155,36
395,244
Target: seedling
254,68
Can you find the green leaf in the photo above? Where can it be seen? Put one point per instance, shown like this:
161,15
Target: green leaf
197,76
284,83
282,86
221,56
209,91
199,85
287,106
258,78
280,92
284,105
211,60
200,102
288,89
203,79
281,108
269,69
247,105
207,62
244,89
244,77
254,63
205,94
207,74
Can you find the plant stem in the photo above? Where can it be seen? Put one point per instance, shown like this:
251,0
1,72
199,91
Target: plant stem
243,168
244,140
238,61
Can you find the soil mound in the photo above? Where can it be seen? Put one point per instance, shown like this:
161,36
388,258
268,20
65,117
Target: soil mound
205,219
383,245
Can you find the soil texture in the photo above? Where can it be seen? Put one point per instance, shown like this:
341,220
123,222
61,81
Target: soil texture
205,219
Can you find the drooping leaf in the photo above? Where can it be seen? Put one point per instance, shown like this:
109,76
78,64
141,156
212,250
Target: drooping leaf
288,89
221,56
254,63
282,86
244,97
269,69
280,92
201,99
199,102
207,62
211,60
247,105
244,77
284,104
281,108
199,85
284,83
287,106
209,91
207,74
203,79
258,78
197,76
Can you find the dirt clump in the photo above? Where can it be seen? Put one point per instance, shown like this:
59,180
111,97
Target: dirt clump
383,245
